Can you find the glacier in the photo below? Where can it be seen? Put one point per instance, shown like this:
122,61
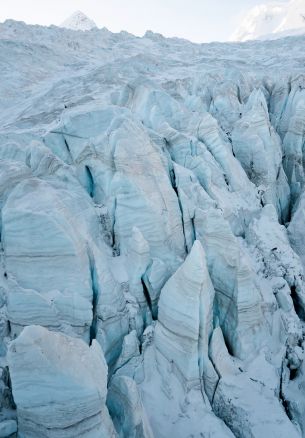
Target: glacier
152,235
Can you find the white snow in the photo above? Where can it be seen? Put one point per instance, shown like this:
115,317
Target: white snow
272,20
78,21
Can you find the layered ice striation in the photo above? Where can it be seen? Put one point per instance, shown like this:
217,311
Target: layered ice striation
50,369
152,236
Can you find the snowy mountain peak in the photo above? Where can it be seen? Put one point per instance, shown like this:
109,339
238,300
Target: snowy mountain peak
79,21
274,20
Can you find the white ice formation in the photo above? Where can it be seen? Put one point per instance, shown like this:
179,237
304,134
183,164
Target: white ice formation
57,373
152,236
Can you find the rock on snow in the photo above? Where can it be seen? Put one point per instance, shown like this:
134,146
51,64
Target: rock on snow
152,235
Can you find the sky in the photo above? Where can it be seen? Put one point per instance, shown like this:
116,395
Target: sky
196,20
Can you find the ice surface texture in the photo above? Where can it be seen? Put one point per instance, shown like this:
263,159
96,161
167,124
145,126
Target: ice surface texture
152,236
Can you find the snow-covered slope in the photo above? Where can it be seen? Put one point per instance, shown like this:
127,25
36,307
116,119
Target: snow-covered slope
152,236
78,21
272,20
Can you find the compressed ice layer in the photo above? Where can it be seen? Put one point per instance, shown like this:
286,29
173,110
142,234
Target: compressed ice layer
52,372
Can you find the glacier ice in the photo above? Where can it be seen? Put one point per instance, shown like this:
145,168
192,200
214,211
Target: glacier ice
8,428
152,235
50,369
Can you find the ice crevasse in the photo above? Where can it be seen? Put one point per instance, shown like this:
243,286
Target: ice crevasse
152,236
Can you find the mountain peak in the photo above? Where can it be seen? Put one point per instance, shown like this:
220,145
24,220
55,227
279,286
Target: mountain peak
78,21
272,20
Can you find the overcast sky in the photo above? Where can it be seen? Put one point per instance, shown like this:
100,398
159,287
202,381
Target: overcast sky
197,20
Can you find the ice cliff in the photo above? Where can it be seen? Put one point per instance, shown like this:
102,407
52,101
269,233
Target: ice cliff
152,236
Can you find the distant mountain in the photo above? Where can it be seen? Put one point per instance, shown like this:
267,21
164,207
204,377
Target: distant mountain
271,21
79,21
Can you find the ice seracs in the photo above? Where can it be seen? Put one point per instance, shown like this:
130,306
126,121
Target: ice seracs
188,296
151,236
258,148
78,21
51,371
247,415
52,302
